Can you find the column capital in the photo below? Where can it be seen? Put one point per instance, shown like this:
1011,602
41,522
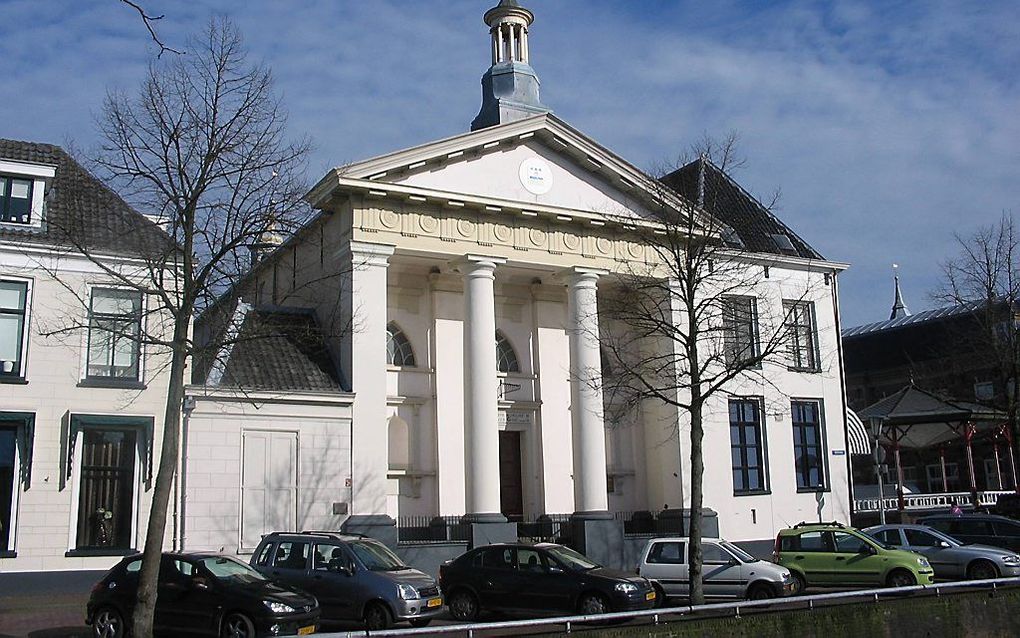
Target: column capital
580,276
472,263
368,254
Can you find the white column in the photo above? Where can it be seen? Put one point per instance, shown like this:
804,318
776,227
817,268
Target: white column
524,45
364,361
481,410
586,411
499,42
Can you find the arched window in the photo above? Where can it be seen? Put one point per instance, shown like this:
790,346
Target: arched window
506,358
398,348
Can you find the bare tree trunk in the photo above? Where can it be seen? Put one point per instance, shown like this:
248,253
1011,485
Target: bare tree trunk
145,608
697,497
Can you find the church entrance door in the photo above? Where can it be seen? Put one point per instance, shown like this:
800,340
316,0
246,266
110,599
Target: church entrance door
511,485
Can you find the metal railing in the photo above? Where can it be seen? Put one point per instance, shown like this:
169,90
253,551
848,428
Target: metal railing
646,523
929,501
714,610
425,530
546,528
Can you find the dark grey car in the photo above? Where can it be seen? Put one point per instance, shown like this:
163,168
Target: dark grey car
352,576
950,558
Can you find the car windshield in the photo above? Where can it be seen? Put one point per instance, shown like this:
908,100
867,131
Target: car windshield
376,557
230,570
572,559
741,555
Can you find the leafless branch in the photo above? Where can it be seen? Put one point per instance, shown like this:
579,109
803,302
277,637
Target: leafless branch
147,20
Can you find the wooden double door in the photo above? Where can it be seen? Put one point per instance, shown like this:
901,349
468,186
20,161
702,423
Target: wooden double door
511,481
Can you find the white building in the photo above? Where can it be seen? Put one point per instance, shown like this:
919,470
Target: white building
448,286
81,403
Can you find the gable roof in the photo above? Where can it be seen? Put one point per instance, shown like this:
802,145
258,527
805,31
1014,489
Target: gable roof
277,349
81,211
758,229
546,127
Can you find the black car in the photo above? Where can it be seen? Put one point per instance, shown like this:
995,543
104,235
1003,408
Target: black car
202,593
983,529
545,578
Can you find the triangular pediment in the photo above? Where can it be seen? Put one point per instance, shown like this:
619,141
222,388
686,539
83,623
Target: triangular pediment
540,161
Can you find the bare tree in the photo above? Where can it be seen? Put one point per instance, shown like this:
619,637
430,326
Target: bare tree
985,275
684,327
202,148
147,20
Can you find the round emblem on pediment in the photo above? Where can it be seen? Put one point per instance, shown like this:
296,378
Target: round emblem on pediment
465,227
536,175
572,242
603,245
634,249
537,236
501,233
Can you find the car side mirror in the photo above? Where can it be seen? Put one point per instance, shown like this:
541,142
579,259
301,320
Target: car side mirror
944,545
200,583
555,569
341,566
867,549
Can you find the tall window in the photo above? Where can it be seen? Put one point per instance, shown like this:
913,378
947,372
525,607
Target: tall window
800,330
808,452
8,484
15,200
13,301
506,358
106,500
746,446
115,325
740,329
398,348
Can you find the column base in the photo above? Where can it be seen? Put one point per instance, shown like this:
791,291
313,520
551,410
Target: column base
484,517
600,539
378,526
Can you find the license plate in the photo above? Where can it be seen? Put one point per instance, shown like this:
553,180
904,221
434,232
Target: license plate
435,602
304,631
650,595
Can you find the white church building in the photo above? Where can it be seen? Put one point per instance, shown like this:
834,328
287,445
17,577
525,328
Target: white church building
430,352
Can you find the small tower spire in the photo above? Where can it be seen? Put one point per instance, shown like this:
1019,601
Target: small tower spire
510,86
899,309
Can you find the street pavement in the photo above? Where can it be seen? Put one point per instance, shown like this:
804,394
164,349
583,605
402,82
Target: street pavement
45,605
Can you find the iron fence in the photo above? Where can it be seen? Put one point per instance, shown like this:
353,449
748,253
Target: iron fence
432,530
546,528
646,523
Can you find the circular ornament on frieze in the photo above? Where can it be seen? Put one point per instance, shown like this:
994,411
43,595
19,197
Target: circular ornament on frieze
536,176
465,227
428,224
502,233
537,236
389,219
634,250
572,242
604,246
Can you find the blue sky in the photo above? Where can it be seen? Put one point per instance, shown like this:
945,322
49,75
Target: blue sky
888,126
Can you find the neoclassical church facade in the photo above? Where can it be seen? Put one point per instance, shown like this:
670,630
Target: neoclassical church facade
433,348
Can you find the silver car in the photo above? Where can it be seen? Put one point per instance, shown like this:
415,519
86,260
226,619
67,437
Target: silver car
728,571
950,558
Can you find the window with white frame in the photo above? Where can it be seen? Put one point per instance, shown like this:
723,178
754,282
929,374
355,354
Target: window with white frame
398,347
106,494
802,343
747,446
115,325
506,357
15,200
13,327
740,329
8,485
808,446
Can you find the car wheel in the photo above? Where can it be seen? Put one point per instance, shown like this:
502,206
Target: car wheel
982,570
464,606
108,623
592,604
760,592
799,584
420,622
377,617
901,578
237,626
660,596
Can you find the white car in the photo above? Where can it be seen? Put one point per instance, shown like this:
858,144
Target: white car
727,571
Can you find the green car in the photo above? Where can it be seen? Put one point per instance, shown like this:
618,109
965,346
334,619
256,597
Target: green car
834,555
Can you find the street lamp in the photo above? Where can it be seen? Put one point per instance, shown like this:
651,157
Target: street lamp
879,457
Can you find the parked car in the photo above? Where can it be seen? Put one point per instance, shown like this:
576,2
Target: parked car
202,593
1007,505
354,577
728,571
834,555
986,529
542,578
949,557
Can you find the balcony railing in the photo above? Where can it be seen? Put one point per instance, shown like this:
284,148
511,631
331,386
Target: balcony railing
942,500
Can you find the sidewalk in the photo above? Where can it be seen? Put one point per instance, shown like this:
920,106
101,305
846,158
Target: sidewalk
45,604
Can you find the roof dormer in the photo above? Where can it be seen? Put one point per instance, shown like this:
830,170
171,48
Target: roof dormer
23,192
